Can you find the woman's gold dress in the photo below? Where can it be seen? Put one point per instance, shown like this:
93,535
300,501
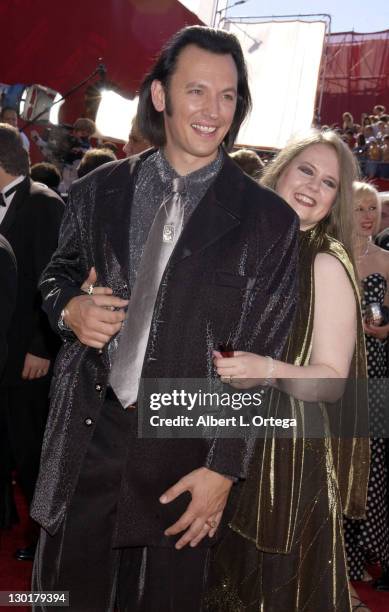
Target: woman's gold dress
284,550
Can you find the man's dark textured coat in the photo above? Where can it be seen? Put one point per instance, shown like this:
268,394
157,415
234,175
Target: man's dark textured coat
233,270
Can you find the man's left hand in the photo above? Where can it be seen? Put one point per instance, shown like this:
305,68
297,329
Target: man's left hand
34,367
209,491
90,282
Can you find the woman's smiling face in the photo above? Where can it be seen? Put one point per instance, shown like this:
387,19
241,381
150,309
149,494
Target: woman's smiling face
366,214
310,183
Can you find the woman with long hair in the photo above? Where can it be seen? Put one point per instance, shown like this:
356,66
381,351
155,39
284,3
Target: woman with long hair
348,121
284,549
369,539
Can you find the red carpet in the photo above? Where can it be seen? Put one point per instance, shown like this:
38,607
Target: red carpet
16,575
377,601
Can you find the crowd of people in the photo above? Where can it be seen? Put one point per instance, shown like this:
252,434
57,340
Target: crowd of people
369,140
184,262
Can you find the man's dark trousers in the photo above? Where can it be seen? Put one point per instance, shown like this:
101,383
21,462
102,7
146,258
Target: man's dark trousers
136,579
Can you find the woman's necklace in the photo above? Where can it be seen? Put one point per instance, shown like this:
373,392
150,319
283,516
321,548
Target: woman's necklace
366,251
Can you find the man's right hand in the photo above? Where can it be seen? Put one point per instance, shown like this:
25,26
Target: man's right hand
93,319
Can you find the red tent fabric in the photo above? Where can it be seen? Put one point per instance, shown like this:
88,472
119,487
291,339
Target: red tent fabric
357,75
58,44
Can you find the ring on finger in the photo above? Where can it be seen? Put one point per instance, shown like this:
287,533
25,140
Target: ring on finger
90,290
211,523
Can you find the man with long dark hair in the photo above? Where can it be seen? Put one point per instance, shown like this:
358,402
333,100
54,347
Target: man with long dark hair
195,244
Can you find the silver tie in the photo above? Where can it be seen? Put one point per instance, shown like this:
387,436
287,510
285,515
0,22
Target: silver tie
132,341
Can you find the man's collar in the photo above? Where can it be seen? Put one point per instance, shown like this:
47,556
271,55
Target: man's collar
168,173
12,184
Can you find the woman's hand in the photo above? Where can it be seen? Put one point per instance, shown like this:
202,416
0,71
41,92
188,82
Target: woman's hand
243,370
377,331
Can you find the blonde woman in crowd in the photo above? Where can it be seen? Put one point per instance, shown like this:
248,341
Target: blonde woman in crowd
368,540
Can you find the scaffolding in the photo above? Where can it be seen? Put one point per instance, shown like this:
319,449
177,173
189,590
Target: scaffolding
357,74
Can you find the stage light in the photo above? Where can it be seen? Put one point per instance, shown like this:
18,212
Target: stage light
38,100
22,102
114,115
34,103
283,59
54,111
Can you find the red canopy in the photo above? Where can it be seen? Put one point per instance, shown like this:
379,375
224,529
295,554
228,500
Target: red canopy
58,44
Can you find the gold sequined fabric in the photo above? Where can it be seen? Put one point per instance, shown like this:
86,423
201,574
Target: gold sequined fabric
284,549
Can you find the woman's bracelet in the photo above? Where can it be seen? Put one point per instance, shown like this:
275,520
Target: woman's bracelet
270,374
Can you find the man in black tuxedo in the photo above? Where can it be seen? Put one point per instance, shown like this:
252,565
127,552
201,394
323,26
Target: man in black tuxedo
30,216
125,519
8,282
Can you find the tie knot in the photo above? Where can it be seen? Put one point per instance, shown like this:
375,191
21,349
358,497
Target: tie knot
179,185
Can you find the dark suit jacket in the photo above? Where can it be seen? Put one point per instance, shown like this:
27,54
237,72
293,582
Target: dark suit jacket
31,225
8,284
382,239
234,267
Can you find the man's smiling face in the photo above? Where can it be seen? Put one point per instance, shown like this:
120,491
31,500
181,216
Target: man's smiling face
198,107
